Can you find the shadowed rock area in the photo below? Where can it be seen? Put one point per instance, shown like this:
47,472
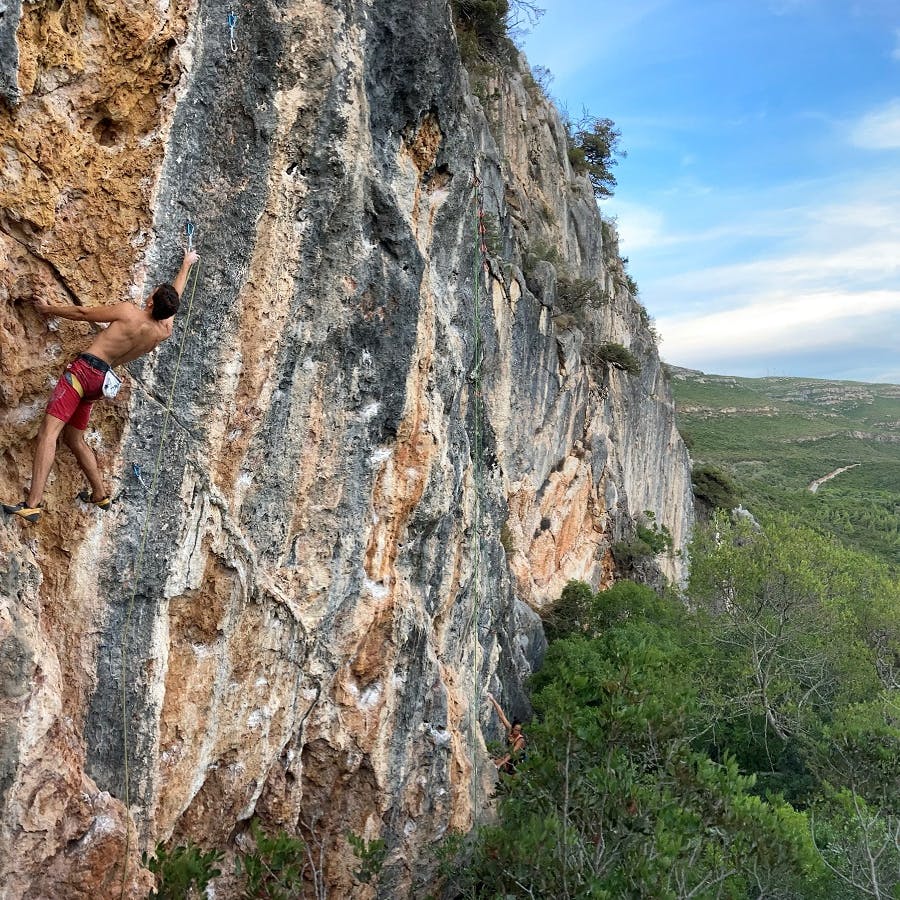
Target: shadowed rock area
271,624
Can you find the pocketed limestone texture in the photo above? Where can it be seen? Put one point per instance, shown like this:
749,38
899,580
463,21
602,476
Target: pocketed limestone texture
283,619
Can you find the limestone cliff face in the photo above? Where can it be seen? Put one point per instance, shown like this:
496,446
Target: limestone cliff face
277,624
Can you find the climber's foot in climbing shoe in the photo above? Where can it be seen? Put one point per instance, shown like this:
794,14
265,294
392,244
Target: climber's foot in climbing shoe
88,497
30,514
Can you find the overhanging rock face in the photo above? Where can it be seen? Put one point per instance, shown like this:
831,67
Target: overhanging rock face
277,623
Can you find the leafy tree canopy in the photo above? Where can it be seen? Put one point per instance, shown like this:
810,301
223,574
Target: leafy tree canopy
740,741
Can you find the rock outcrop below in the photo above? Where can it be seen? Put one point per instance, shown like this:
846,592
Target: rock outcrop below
280,616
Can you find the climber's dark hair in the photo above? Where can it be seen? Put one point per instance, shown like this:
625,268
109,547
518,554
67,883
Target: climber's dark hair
514,723
166,301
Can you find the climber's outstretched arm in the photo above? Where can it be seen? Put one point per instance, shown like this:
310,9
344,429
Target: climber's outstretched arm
112,313
503,718
190,257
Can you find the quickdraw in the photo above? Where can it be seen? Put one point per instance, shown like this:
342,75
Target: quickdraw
232,24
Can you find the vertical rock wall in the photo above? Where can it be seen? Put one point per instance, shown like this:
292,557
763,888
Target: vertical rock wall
284,623
585,450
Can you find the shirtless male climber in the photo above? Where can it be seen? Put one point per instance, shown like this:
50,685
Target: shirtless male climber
131,333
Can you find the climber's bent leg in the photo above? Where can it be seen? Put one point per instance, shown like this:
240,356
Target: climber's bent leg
86,459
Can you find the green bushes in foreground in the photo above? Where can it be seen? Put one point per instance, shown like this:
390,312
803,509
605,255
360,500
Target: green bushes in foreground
742,744
274,865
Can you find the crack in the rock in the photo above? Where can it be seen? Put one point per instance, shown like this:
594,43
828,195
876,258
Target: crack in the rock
6,228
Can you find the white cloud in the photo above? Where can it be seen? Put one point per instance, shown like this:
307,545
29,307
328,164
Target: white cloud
776,323
839,268
879,129
800,276
638,226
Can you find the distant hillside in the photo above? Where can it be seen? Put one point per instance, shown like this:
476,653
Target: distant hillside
781,439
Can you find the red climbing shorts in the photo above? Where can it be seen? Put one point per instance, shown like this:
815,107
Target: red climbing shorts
66,403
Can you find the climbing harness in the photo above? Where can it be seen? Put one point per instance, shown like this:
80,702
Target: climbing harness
480,267
151,492
232,23
516,757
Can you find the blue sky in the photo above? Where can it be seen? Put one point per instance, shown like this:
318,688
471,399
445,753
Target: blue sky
759,203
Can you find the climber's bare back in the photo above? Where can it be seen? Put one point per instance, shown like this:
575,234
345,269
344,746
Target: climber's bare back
131,334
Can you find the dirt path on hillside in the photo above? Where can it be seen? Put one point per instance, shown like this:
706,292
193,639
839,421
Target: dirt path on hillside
814,485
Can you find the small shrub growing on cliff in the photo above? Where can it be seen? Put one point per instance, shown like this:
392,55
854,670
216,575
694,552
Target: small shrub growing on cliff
714,487
625,280
273,869
182,872
657,537
537,83
371,855
631,551
565,321
572,613
632,285
574,296
541,252
507,541
610,238
482,29
486,28
613,354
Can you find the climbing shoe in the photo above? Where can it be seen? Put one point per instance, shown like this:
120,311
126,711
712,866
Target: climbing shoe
23,511
88,497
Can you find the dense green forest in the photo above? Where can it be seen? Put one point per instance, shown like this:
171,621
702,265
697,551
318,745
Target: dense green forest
741,739
775,436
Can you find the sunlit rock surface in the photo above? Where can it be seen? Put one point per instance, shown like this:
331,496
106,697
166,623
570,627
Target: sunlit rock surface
281,622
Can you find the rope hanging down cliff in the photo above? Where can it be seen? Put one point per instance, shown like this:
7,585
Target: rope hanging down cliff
140,559
480,266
